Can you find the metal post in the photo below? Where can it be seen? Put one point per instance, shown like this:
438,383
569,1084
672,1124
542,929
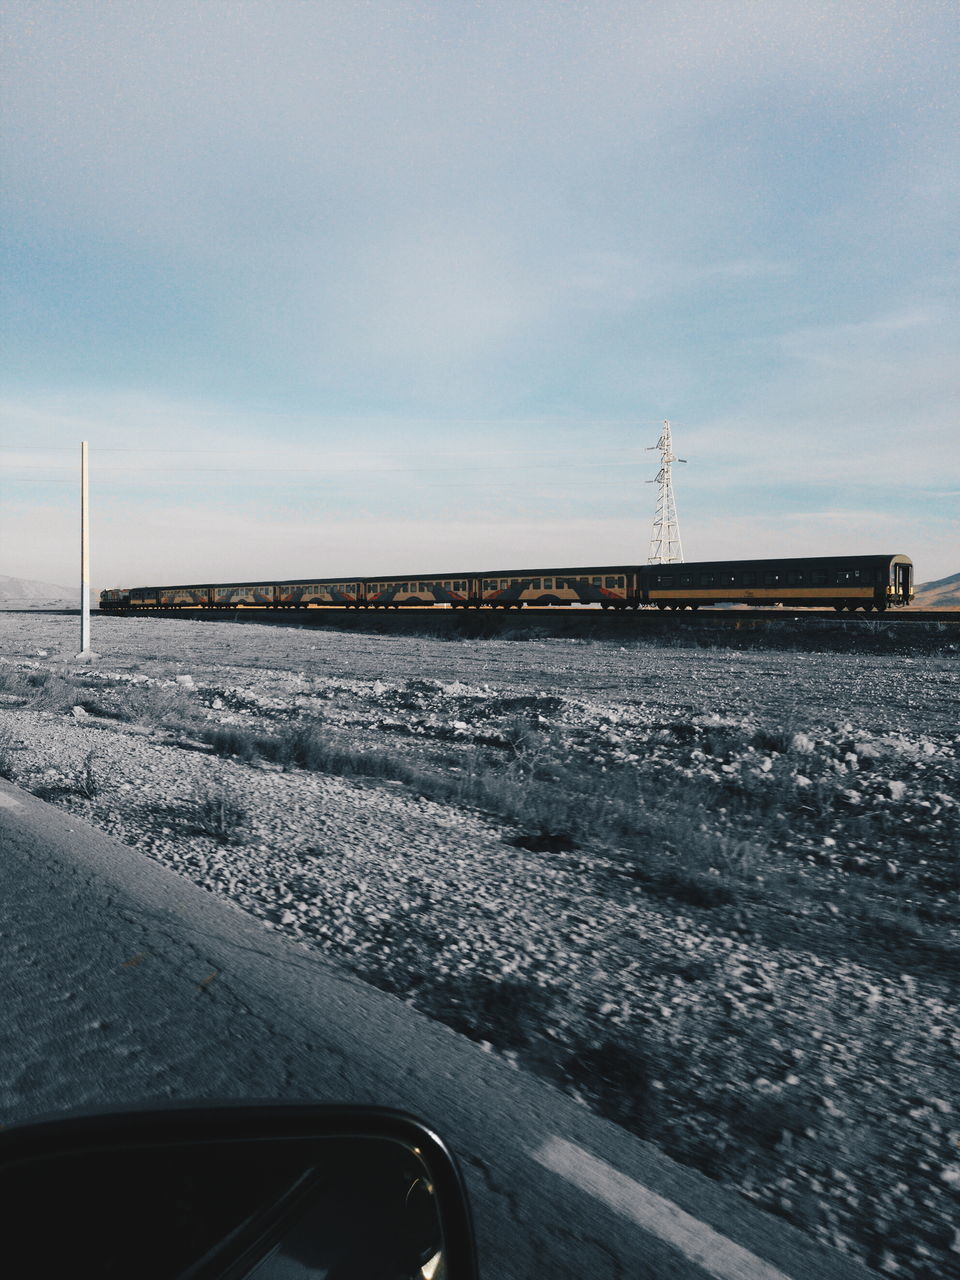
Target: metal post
84,553
665,545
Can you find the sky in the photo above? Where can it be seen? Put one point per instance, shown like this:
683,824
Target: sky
372,286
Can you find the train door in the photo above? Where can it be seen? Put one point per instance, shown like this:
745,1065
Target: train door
901,582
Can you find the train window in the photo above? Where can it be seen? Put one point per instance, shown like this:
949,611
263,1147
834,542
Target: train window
771,579
535,584
560,582
514,582
548,584
818,578
686,580
749,578
795,578
610,580
727,580
707,580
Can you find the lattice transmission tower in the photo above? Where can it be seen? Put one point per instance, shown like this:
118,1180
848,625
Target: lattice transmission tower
665,545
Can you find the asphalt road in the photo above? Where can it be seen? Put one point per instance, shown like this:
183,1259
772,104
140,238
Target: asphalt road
121,982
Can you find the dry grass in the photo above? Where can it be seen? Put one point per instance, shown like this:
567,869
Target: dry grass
704,841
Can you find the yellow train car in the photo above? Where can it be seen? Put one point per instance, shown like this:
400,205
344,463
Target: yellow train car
839,582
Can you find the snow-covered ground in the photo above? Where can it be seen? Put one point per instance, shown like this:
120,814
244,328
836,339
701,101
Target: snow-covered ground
713,893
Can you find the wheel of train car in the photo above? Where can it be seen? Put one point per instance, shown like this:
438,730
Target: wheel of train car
839,607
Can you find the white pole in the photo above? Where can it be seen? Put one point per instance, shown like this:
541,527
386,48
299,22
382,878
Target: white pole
84,552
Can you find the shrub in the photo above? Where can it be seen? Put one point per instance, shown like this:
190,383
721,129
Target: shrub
692,888
158,705
508,1012
49,692
86,781
617,1076
8,767
216,811
544,840
765,1119
229,740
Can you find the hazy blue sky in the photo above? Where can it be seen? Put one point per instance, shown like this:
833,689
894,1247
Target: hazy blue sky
353,286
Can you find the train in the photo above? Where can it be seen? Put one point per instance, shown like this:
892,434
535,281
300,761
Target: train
871,583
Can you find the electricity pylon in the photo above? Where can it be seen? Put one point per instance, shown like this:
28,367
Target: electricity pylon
665,545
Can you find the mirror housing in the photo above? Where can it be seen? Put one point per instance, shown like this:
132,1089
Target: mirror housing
269,1191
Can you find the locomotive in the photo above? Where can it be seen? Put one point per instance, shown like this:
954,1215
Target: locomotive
870,583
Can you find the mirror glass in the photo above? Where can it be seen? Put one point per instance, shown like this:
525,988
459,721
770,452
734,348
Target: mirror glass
344,1208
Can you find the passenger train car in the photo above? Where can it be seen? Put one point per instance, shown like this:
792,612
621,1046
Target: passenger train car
842,582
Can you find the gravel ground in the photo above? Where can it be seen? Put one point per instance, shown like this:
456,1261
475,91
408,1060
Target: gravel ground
712,893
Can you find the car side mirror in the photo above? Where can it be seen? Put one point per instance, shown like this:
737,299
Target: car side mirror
265,1191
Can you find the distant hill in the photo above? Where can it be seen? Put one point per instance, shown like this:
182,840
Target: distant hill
942,594
24,593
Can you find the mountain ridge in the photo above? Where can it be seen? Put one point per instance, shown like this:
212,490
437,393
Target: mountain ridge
944,593
27,591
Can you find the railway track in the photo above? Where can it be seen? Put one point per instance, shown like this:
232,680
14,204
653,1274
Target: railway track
734,616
